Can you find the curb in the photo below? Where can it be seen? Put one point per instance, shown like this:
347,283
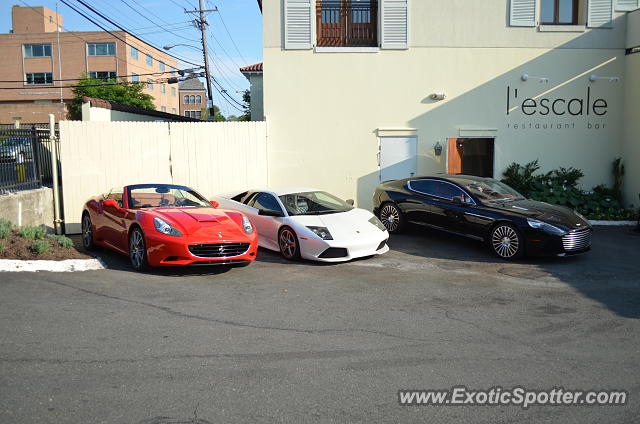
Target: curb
68,265
613,223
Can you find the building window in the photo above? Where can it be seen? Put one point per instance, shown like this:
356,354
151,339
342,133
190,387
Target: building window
134,53
192,99
185,100
559,12
103,75
101,49
163,88
149,84
198,100
173,91
162,66
173,110
39,78
149,60
37,50
163,108
347,23
135,78
196,114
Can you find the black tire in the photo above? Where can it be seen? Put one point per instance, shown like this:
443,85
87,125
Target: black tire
138,250
87,232
288,243
391,217
506,242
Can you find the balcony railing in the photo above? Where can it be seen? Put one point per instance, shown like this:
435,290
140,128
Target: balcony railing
347,23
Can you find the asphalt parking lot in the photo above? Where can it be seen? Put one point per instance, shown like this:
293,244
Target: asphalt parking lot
304,342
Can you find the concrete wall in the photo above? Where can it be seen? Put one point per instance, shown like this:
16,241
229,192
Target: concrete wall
326,109
30,207
631,145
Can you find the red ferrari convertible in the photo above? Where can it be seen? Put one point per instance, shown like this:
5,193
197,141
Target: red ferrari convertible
167,225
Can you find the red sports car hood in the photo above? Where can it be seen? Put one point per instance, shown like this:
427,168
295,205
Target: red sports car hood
201,221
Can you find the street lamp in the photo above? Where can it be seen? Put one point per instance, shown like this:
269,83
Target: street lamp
170,46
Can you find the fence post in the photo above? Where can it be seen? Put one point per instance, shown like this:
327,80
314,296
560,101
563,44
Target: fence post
54,173
35,155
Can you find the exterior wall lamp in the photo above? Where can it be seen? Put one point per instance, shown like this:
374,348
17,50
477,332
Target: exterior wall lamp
594,78
437,149
527,77
438,96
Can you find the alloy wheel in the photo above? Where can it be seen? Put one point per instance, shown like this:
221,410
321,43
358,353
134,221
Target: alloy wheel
136,249
87,232
288,244
390,217
505,241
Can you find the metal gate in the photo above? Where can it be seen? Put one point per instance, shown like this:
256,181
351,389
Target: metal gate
25,158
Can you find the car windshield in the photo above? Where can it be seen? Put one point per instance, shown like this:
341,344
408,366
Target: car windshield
165,196
490,190
313,203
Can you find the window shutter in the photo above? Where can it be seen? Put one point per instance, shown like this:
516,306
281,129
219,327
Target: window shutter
627,5
394,24
600,13
522,13
298,24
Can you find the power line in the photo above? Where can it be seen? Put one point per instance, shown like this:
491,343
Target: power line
164,29
230,37
118,26
69,32
117,76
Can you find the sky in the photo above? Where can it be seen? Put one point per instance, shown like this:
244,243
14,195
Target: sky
231,47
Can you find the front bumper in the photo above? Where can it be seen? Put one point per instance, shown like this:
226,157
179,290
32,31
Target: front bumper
539,243
316,249
163,250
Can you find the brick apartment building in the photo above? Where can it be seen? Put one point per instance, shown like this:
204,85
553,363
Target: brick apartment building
193,98
34,65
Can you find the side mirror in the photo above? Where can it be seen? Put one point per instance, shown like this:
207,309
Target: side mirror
214,203
110,203
350,202
267,212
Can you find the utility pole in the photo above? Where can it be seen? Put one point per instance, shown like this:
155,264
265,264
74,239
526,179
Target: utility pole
202,24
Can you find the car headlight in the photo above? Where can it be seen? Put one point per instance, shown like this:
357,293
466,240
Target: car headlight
547,228
322,232
375,221
248,228
163,227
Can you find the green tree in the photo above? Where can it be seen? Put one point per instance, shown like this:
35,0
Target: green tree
124,93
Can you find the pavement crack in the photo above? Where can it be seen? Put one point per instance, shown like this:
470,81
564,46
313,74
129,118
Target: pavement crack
180,314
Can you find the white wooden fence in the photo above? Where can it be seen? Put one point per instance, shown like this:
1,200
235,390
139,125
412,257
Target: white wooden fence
211,157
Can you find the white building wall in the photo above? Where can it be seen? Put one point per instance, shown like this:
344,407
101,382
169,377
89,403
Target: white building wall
324,109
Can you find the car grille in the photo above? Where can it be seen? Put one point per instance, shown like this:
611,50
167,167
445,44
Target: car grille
218,250
577,240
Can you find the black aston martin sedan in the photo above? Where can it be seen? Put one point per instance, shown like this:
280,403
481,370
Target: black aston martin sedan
483,209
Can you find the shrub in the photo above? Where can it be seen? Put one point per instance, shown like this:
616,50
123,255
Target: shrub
32,233
2,247
39,247
560,187
61,240
5,228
